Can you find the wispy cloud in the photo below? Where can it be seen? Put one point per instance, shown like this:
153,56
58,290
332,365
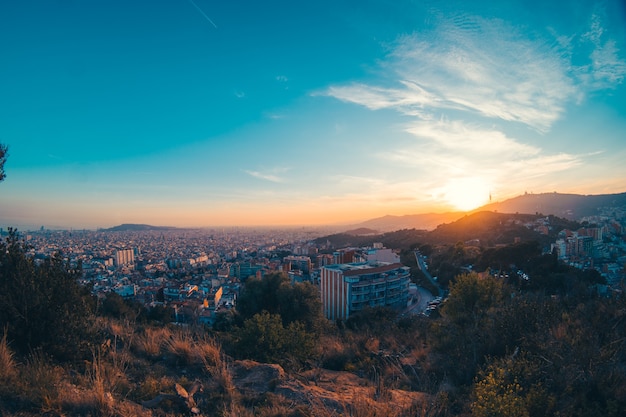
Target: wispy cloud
273,175
489,68
476,65
470,139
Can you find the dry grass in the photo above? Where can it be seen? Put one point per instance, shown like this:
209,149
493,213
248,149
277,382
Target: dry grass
150,343
94,401
38,383
190,349
8,367
181,347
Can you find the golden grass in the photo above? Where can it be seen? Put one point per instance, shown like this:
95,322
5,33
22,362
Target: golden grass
151,341
189,349
38,382
7,362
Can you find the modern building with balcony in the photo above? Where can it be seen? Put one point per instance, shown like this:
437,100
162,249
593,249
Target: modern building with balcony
348,288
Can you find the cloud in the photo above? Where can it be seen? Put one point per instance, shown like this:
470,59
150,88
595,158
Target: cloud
489,68
375,98
271,175
471,140
475,65
605,69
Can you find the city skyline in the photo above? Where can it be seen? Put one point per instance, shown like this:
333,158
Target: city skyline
190,113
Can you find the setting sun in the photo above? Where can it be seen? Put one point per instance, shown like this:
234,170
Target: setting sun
467,193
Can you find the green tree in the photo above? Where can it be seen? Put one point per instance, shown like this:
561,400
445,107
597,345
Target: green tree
467,333
264,338
42,305
114,305
261,295
471,297
301,302
275,294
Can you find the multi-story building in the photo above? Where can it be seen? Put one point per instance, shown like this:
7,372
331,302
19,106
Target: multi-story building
380,254
124,257
348,288
301,263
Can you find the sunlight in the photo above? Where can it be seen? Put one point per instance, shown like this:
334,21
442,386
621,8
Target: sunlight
467,193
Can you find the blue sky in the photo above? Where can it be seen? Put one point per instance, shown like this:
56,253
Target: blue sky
201,113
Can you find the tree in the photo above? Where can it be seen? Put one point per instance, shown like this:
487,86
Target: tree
264,338
261,295
467,333
301,302
42,305
275,294
3,157
114,305
471,297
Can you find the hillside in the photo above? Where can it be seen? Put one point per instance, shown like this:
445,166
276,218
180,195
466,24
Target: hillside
427,221
569,206
131,227
488,228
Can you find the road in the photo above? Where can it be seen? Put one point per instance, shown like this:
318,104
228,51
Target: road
421,297
421,264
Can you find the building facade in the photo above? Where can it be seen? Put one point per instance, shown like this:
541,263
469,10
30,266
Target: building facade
124,257
348,288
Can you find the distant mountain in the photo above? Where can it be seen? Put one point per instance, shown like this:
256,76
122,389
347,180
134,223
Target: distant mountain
569,206
361,231
426,221
129,227
486,228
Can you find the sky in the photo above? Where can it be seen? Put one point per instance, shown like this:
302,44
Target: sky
203,113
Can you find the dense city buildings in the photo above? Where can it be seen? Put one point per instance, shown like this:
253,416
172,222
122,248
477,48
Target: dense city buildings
200,272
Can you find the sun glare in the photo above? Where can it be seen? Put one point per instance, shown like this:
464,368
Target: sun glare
467,193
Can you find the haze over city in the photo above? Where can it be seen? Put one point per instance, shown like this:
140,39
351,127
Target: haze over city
197,113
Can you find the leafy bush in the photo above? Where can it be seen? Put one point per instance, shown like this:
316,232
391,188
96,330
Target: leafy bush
42,305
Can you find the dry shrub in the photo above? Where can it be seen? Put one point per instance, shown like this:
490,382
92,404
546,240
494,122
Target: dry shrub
94,401
151,341
39,381
336,354
209,351
107,376
7,363
152,386
181,346
363,407
115,329
373,344
236,410
189,350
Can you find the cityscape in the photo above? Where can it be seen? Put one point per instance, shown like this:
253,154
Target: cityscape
312,209
200,272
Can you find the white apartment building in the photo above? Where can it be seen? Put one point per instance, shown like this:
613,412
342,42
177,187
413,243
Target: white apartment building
124,257
348,288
